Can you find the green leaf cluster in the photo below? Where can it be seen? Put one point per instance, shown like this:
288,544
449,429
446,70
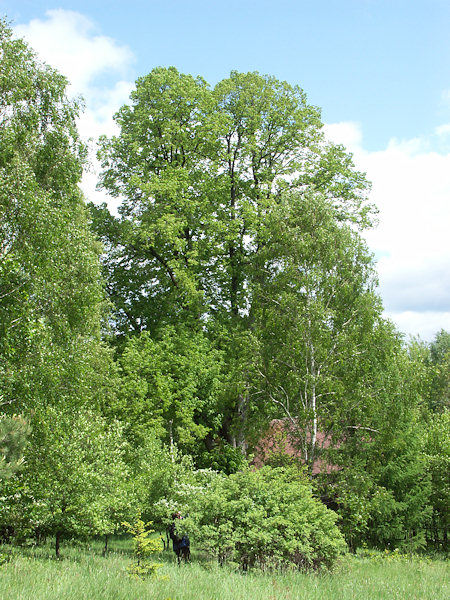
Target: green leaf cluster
14,432
170,385
265,518
143,549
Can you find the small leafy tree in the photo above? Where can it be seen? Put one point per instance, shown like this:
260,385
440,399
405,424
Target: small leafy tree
143,548
266,518
75,476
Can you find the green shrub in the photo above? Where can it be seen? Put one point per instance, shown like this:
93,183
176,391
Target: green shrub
267,518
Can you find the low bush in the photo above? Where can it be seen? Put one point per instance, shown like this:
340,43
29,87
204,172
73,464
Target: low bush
266,518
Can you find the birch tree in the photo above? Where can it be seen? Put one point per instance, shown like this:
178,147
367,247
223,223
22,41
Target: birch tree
315,315
51,296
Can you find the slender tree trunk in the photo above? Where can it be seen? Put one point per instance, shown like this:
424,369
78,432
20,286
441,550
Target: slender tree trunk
240,441
314,408
172,446
105,548
57,543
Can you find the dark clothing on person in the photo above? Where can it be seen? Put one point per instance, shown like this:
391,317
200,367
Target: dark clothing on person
181,545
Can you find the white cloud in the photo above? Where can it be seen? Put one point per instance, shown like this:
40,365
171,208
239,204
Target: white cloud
443,130
421,324
69,42
347,133
411,188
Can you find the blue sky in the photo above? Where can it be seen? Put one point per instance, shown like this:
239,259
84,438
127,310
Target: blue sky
378,69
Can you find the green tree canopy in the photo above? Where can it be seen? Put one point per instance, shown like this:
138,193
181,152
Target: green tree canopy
199,170
209,178
440,364
170,386
51,294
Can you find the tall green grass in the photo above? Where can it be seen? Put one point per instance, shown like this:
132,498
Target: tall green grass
83,573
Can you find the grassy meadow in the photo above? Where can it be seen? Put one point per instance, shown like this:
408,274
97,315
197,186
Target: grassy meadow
82,573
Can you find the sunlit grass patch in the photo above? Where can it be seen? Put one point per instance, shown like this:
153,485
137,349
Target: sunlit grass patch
83,573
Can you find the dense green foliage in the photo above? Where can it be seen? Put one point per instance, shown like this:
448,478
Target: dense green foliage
316,321
13,438
267,518
438,360
211,178
148,353
51,296
54,367
436,454
382,486
170,385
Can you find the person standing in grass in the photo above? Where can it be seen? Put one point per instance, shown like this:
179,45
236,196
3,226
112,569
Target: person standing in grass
181,543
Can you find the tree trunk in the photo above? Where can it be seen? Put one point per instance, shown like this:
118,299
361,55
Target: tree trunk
105,548
57,543
240,441
172,444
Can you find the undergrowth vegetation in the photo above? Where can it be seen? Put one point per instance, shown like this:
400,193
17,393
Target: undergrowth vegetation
266,518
